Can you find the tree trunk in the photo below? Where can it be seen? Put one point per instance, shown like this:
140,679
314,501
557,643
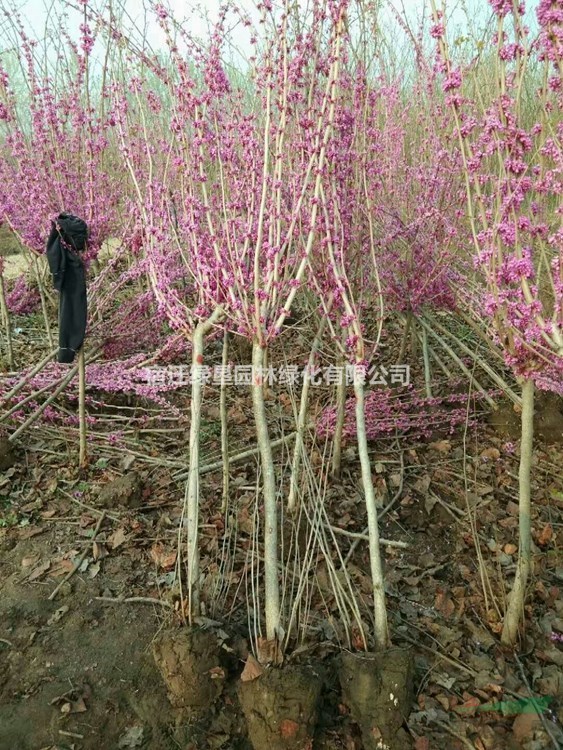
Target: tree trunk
272,586
381,633
191,501
42,295
427,367
83,458
6,322
340,414
515,607
224,423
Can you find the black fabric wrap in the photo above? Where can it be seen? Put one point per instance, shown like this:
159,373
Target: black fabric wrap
67,239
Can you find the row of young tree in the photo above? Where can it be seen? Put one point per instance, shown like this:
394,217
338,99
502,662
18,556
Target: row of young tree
308,177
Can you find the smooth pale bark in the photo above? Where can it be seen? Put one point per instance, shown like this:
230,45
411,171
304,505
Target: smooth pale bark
192,486
271,578
381,633
427,368
340,414
295,478
224,424
515,609
83,457
405,340
6,324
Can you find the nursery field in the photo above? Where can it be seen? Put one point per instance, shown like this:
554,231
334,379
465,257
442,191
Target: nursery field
86,663
281,376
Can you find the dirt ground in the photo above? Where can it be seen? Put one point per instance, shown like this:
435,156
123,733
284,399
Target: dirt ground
73,669
78,672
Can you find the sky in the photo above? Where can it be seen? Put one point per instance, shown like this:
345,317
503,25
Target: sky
201,14
35,12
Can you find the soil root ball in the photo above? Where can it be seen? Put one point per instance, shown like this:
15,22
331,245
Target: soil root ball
378,689
189,662
280,708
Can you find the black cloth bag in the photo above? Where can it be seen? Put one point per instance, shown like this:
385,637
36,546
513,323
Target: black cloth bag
66,242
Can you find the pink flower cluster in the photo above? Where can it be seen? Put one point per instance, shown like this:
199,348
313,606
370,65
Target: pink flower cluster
22,298
550,19
513,168
391,412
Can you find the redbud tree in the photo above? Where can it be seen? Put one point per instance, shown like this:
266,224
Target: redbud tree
229,198
512,159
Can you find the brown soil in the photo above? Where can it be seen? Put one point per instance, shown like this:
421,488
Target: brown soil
280,708
81,673
7,455
548,419
73,665
378,689
189,662
124,491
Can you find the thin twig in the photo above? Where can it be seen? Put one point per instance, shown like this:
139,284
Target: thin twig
493,374
89,507
365,537
438,654
235,459
35,416
134,600
458,362
79,562
20,384
74,735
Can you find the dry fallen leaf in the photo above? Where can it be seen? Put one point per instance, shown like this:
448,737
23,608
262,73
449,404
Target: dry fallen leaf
133,737
162,557
429,503
30,507
39,571
117,538
61,568
492,454
217,673
442,446
252,670
545,535
58,615
99,551
27,562
523,726
236,415
444,604
78,706
29,531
